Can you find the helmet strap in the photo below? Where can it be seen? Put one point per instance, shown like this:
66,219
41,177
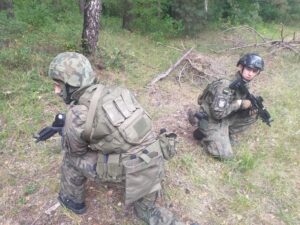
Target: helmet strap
68,90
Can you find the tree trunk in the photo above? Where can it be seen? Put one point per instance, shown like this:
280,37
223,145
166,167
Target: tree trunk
91,26
81,6
127,15
8,6
206,8
10,11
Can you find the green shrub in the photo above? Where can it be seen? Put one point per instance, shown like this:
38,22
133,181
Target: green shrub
40,13
146,16
16,58
10,29
34,13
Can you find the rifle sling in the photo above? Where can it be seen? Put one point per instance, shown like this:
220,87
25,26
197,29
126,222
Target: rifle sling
86,134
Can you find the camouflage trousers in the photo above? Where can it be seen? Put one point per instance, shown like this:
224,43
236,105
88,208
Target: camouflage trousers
216,140
76,170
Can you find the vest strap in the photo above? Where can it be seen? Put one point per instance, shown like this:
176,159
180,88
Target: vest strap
86,134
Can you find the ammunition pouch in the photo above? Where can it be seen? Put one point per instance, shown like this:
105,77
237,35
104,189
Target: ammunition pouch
142,171
109,168
143,176
168,143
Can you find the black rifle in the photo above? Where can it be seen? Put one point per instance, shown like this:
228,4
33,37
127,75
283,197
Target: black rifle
49,131
240,84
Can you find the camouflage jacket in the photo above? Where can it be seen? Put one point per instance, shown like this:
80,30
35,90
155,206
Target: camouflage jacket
219,101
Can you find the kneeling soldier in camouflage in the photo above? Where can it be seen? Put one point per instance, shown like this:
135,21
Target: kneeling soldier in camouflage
227,107
108,136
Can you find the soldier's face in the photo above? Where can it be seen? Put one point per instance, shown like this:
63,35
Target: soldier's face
57,88
249,73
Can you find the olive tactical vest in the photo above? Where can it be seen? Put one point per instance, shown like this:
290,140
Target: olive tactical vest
115,121
206,98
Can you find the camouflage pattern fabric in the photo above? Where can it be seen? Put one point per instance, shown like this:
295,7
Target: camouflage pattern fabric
225,118
71,68
74,173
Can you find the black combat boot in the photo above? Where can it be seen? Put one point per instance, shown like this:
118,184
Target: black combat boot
78,208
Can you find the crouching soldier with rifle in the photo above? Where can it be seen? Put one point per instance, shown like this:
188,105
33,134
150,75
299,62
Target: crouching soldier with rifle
227,108
108,137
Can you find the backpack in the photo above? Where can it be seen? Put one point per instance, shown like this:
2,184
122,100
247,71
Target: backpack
115,122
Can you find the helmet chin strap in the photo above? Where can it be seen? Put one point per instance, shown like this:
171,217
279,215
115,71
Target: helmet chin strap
67,92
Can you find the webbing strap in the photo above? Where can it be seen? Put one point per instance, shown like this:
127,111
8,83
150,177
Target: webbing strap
145,157
91,113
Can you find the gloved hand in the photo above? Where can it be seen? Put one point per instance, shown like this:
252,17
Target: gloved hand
246,104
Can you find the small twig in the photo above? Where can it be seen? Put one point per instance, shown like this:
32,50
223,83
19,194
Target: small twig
281,33
52,208
183,45
294,36
180,74
255,31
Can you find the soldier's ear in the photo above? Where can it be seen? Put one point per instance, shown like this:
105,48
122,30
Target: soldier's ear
240,68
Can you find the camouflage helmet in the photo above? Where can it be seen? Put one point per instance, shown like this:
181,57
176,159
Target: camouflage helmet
252,60
72,68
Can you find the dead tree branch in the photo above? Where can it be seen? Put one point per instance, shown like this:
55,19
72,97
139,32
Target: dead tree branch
163,75
292,45
248,28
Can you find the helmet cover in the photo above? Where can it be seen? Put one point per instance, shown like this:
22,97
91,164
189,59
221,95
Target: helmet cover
72,68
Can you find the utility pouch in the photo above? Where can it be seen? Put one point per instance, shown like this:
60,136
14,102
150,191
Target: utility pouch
167,143
143,175
109,168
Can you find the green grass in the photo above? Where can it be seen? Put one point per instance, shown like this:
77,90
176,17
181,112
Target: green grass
259,186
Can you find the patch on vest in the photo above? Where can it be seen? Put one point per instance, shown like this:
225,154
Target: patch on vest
222,103
226,91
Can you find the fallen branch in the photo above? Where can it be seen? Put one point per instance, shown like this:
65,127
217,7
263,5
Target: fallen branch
244,46
292,45
248,28
163,75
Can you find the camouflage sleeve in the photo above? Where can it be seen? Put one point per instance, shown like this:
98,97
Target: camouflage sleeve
74,126
223,102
